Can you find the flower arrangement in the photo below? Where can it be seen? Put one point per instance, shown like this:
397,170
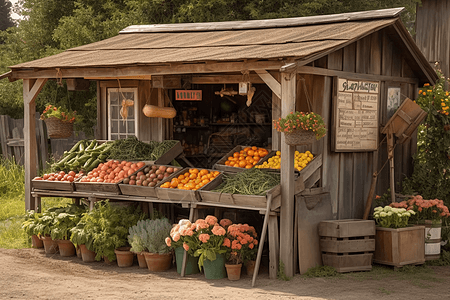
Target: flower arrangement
241,239
433,210
391,217
184,235
60,113
301,120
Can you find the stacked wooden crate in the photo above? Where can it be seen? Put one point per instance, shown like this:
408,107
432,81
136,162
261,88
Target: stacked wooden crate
347,245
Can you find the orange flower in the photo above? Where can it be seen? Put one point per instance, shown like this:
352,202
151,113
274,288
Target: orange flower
185,246
211,220
168,241
227,242
218,230
204,237
225,222
176,237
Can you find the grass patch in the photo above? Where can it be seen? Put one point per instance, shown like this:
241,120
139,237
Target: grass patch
321,271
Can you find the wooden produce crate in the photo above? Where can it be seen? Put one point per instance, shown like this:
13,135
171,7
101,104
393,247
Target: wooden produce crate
170,155
207,195
98,187
185,195
399,247
143,191
53,185
347,245
312,165
220,164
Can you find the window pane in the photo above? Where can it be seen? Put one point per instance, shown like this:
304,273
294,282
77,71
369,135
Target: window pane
114,98
131,112
130,126
123,136
114,137
122,126
114,126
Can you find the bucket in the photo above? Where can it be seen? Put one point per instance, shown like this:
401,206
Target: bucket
215,269
191,263
432,240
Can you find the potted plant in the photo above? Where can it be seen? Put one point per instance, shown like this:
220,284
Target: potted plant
30,226
59,121
105,228
137,238
429,213
301,128
158,255
209,240
183,237
65,220
44,227
396,242
241,239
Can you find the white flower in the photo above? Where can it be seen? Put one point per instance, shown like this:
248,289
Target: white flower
379,208
412,212
383,214
387,208
389,213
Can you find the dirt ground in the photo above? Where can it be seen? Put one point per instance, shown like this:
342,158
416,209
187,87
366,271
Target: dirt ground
32,274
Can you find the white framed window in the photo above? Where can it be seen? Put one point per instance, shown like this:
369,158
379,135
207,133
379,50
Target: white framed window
120,128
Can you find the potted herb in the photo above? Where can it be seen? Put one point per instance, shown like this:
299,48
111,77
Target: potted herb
30,227
137,238
64,222
301,128
396,242
159,256
105,229
44,226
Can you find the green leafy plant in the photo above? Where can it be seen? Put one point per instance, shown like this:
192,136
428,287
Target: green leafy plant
31,222
321,271
281,274
65,221
156,232
390,217
105,228
60,113
300,120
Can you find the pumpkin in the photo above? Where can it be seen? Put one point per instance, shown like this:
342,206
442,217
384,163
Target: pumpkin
153,111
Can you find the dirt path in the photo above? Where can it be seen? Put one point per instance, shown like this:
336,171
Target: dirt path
31,274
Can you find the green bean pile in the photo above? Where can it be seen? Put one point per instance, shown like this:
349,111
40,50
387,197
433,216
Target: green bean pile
249,182
133,149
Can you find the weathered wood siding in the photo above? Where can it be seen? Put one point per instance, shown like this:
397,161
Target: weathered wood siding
348,174
433,32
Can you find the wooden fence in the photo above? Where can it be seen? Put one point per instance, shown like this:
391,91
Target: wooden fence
12,142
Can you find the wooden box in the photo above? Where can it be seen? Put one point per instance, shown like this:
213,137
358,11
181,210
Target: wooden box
53,185
143,191
184,195
399,247
220,164
315,163
206,195
347,245
170,155
98,187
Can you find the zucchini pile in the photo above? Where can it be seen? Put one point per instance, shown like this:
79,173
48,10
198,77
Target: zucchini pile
85,155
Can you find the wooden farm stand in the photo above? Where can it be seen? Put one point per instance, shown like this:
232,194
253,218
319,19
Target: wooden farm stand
344,65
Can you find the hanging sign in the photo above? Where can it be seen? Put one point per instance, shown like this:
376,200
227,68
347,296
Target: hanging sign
188,95
356,115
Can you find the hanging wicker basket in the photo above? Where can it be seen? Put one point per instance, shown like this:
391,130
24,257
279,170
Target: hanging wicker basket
299,137
58,129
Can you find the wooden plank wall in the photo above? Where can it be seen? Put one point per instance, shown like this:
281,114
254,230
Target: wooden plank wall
433,32
348,174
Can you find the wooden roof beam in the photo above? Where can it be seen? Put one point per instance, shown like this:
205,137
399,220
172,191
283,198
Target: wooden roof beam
273,84
127,71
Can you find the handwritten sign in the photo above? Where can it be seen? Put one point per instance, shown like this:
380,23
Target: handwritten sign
356,115
188,95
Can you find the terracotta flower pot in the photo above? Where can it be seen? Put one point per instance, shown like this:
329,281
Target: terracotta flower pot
86,254
141,260
50,246
107,261
250,267
124,257
66,248
233,271
36,242
158,262
78,251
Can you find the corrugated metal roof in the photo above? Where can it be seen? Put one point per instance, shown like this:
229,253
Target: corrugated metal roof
155,48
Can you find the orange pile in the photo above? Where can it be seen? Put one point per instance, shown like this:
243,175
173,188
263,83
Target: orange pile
247,157
192,180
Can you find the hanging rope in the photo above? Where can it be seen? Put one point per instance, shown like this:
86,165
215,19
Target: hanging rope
306,93
59,77
125,104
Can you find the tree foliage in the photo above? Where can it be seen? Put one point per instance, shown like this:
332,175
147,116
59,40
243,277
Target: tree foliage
52,26
5,15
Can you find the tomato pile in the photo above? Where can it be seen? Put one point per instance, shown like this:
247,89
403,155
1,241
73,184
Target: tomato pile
61,176
193,180
112,171
247,157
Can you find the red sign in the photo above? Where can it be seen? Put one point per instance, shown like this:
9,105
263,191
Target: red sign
188,95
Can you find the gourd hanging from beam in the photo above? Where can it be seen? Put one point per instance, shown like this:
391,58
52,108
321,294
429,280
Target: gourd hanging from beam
153,111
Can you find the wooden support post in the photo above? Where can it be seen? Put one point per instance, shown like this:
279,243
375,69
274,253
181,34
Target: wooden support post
183,265
288,91
274,246
276,114
261,241
161,122
31,89
390,149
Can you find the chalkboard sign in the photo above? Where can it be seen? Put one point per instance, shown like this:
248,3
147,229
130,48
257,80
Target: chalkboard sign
355,125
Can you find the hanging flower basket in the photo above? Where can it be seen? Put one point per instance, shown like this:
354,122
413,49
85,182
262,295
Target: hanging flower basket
58,129
299,137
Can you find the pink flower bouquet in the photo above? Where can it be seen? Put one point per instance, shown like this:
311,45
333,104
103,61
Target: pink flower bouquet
433,210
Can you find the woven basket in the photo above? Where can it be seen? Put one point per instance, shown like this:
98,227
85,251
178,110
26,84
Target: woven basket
58,129
299,137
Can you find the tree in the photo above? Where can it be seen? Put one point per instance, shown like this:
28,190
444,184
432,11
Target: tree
5,15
